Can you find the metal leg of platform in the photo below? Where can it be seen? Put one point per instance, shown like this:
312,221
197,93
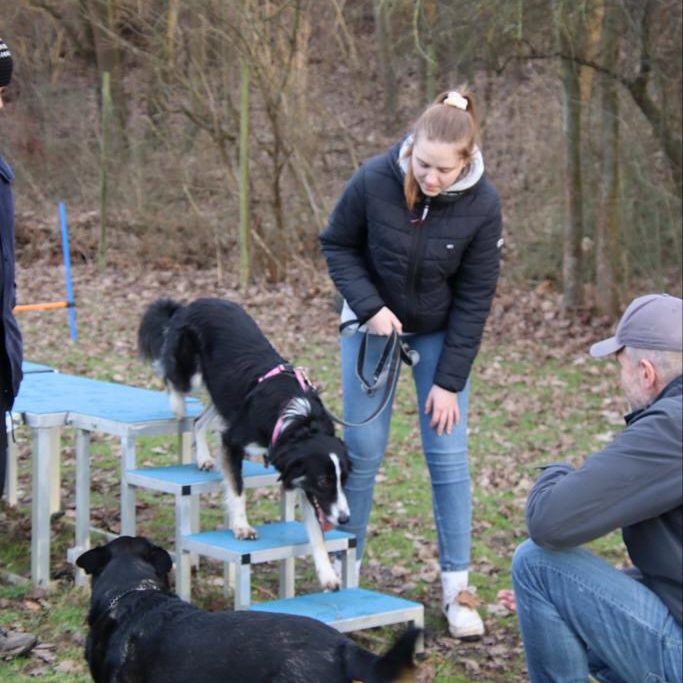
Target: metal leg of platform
287,568
127,491
242,584
183,561
54,437
185,440
43,453
11,476
82,541
349,575
419,622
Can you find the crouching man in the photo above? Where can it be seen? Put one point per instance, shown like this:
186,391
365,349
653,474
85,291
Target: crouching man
578,614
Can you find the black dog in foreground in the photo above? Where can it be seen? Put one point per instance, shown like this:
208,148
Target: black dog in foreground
140,632
267,408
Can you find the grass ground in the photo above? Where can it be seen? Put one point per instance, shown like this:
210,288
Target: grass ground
534,399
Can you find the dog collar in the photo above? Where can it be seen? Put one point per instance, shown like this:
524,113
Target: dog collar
144,585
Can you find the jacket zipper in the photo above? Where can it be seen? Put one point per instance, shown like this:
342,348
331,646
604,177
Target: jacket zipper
417,247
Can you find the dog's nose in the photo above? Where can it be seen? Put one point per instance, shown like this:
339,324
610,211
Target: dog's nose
343,518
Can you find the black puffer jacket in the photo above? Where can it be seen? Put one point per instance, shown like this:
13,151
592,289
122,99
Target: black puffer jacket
10,338
436,268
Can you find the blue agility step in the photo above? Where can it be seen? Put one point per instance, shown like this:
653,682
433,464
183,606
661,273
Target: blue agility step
28,368
349,609
276,541
189,479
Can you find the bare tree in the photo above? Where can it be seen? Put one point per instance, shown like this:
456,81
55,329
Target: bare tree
388,81
567,34
607,219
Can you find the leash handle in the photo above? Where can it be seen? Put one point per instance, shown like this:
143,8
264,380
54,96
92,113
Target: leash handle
385,373
381,371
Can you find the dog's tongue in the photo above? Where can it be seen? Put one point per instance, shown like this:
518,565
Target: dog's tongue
325,524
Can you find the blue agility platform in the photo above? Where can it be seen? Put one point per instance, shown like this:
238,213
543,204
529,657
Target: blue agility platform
28,368
49,401
277,541
12,475
189,479
186,483
43,394
349,609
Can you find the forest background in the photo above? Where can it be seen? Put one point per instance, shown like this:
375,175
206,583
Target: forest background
199,147
221,133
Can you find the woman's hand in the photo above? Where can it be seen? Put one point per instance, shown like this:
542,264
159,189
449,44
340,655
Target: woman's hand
384,322
443,405
506,598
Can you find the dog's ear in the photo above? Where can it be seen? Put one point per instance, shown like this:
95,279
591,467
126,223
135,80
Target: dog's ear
95,560
160,560
294,473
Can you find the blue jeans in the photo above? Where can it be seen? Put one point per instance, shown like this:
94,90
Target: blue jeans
446,455
578,614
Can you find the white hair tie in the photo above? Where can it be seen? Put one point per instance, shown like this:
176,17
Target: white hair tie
455,99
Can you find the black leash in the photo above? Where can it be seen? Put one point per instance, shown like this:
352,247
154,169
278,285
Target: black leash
385,374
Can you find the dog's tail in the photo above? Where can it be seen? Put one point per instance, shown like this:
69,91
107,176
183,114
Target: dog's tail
153,326
395,666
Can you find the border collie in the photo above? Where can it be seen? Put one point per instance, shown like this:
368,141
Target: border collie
267,409
140,631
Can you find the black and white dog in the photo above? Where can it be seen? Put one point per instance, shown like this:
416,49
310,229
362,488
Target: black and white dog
140,632
267,408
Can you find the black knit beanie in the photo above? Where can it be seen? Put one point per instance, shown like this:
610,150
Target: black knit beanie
5,64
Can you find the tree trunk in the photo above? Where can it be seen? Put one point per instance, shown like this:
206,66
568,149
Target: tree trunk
245,259
431,64
386,66
666,128
607,224
171,30
104,170
102,15
572,281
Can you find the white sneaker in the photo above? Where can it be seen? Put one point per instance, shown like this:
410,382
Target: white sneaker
464,621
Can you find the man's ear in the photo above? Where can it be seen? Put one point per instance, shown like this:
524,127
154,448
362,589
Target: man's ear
648,373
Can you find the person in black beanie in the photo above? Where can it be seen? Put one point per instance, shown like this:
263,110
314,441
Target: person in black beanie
11,642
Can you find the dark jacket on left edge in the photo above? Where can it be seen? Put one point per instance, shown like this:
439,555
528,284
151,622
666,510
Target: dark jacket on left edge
635,483
10,337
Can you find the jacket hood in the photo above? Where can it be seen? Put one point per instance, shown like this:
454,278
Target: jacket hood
472,175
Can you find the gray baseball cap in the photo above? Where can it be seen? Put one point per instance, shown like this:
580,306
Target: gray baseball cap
653,321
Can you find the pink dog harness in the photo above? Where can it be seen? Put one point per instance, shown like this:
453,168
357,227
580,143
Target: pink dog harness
304,383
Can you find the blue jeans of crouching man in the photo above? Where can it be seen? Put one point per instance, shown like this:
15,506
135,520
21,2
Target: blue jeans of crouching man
446,455
579,615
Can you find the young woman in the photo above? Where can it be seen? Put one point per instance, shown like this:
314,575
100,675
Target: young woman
413,245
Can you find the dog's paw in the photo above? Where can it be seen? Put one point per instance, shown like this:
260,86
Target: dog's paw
329,580
245,533
206,463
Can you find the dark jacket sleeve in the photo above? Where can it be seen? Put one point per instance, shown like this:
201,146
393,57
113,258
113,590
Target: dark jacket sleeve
10,336
474,286
343,243
638,476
